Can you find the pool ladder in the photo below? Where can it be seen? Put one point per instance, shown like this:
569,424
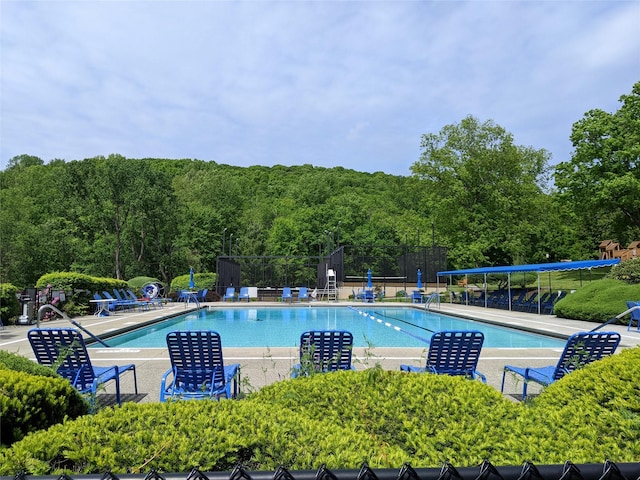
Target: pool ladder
433,298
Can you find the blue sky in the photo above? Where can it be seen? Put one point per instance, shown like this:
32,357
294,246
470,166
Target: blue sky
327,83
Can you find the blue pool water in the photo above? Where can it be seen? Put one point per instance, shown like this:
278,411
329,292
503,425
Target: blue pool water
282,327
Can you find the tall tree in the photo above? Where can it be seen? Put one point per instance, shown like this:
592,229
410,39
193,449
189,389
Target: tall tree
483,192
601,182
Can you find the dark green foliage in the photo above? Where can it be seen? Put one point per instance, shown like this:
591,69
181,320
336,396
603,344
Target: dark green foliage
9,305
32,402
627,271
344,418
597,301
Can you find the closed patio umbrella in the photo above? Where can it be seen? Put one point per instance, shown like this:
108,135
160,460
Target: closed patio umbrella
419,283
369,281
192,284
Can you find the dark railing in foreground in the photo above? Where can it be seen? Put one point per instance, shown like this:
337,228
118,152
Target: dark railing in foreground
485,471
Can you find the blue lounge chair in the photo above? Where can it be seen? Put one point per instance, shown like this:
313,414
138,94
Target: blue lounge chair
197,368
103,307
324,351
303,294
64,349
635,315
581,349
202,295
416,296
230,295
122,304
453,353
286,294
244,294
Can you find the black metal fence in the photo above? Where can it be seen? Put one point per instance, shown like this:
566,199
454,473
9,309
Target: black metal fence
389,264
485,471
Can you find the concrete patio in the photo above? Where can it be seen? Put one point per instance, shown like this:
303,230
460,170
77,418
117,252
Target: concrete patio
260,366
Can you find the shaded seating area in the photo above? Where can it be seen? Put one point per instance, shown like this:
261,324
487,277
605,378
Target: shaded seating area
580,350
509,296
453,353
64,349
197,368
324,351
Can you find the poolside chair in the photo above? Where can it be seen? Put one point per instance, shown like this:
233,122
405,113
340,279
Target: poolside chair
122,304
230,294
581,349
303,294
64,348
324,351
103,309
286,294
416,296
368,296
635,315
202,295
453,353
244,294
197,368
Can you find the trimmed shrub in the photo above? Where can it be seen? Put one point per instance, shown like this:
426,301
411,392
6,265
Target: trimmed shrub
627,271
32,402
597,301
9,305
201,280
344,418
12,361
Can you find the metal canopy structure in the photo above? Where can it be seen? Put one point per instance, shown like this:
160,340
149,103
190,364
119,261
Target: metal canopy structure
535,267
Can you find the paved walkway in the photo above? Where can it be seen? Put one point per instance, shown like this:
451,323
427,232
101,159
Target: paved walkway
261,366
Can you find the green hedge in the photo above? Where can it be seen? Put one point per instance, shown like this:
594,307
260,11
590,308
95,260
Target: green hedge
598,301
344,418
9,304
32,402
201,280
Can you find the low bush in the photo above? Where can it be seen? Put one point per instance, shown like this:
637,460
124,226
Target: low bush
597,301
29,403
12,361
344,418
627,271
201,280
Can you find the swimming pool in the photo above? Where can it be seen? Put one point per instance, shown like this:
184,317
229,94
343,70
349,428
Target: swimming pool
370,326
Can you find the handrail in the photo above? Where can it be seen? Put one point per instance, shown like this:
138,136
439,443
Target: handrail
617,317
434,296
48,306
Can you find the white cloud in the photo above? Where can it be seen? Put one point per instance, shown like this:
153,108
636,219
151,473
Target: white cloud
327,83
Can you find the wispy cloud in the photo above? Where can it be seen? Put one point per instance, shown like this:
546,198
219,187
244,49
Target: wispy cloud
328,83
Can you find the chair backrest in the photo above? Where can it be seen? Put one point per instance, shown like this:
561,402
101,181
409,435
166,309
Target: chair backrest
64,349
302,293
455,352
196,358
635,314
286,291
231,291
326,350
244,292
583,348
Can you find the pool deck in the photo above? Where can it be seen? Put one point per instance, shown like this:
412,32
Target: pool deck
260,366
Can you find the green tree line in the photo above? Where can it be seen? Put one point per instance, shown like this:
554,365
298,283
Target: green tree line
472,190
